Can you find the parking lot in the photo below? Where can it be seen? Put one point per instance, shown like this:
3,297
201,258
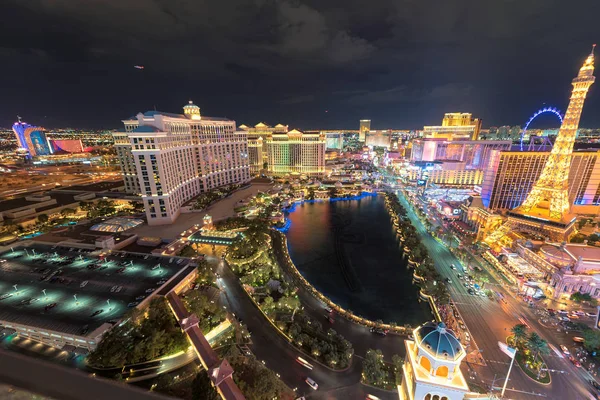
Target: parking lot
71,291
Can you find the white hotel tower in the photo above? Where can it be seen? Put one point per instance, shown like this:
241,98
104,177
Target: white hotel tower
172,158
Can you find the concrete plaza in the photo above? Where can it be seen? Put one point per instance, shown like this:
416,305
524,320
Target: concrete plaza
220,210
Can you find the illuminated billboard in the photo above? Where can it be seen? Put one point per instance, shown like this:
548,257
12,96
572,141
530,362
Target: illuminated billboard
66,146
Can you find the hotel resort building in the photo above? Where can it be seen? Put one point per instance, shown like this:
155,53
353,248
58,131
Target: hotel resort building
171,158
285,152
296,152
455,126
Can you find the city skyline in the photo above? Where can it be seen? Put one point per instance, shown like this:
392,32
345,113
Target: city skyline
315,67
291,199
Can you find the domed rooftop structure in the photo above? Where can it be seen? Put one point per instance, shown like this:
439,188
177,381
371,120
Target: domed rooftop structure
191,110
556,255
439,341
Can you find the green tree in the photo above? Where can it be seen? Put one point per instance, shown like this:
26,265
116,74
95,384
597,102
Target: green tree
398,362
591,339
290,303
374,368
42,218
537,345
67,211
520,333
187,251
578,297
202,388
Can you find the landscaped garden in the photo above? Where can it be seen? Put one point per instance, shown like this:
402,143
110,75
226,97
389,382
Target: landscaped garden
530,348
376,372
206,199
142,337
252,260
431,283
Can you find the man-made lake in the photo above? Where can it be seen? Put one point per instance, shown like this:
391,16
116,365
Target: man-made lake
349,251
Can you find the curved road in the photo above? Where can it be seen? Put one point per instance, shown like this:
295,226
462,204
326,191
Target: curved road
270,346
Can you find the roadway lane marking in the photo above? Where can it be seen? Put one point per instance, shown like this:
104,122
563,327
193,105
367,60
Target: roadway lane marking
520,391
559,354
497,362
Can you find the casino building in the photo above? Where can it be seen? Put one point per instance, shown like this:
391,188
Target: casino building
32,139
171,158
35,142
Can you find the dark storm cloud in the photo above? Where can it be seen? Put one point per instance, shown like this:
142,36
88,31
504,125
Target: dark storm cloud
401,63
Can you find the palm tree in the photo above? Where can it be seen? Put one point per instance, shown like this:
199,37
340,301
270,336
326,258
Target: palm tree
520,333
537,345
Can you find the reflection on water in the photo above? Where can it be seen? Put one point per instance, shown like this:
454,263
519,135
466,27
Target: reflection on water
349,251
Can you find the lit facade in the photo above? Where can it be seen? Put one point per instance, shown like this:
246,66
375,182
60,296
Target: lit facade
296,152
549,197
431,369
379,139
257,143
177,157
547,208
459,163
510,175
568,268
364,128
334,140
475,153
455,126
452,174
32,138
127,163
256,156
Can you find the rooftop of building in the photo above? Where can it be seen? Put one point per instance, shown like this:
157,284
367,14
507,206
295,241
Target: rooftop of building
61,200
116,225
93,187
149,114
439,341
587,253
79,285
79,233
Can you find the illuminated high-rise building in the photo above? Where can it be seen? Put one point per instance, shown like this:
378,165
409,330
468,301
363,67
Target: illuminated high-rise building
455,126
32,139
296,152
257,143
177,157
334,140
474,153
510,175
364,128
547,209
256,155
379,139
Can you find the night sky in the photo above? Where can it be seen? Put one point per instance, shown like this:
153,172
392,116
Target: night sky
400,63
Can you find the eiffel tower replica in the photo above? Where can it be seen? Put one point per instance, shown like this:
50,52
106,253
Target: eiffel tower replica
547,209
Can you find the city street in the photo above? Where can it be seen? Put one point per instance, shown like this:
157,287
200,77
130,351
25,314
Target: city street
490,321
